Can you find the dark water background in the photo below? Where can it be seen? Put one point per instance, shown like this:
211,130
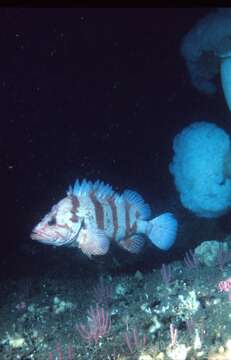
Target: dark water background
97,94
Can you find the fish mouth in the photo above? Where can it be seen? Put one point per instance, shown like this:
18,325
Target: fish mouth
56,237
36,236
44,238
40,236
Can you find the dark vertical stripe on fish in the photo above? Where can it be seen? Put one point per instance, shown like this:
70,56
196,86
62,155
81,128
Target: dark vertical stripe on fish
99,213
127,218
134,228
75,206
111,202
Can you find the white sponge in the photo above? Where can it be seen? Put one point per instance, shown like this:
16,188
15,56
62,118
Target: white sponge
198,169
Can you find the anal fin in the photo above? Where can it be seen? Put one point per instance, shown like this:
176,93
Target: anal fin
133,243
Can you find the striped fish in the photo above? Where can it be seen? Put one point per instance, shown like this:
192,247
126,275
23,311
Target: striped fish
92,215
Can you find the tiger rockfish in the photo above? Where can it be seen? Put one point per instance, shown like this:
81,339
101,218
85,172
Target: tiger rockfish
92,215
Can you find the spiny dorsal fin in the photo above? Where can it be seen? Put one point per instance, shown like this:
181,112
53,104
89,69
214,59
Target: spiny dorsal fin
85,187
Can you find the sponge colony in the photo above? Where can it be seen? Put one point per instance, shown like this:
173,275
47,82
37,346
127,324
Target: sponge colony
201,167
207,52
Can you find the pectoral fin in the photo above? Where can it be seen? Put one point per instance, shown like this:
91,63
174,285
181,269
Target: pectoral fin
93,242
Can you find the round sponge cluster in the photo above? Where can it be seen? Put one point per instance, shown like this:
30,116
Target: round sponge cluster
200,152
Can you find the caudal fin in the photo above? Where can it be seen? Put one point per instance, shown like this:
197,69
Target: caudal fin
162,231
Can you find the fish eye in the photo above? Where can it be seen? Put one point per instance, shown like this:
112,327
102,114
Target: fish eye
52,221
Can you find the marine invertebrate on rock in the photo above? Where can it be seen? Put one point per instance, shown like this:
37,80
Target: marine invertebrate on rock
207,51
201,169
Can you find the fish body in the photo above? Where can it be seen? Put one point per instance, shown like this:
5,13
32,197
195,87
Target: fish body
93,214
